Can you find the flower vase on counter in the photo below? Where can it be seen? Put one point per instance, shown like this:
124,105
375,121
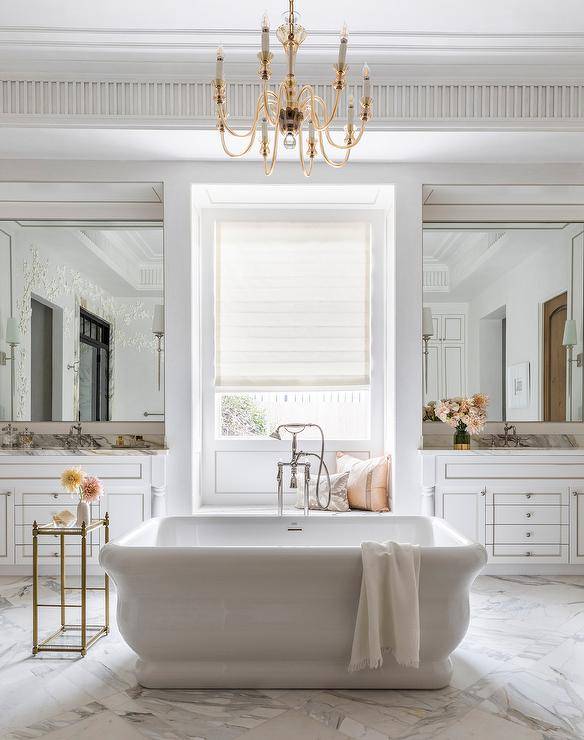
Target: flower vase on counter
465,415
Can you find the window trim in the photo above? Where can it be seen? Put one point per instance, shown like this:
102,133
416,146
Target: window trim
211,445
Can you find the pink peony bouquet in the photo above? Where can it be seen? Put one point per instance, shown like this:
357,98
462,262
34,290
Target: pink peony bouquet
464,414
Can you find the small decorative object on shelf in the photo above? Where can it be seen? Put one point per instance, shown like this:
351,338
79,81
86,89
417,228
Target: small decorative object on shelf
87,487
466,415
58,641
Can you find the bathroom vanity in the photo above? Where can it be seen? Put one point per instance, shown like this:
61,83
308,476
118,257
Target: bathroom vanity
30,489
525,505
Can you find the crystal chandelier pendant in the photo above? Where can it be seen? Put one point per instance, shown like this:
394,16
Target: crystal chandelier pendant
289,141
290,112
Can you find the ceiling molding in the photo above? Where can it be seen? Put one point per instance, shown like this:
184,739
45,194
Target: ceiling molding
397,106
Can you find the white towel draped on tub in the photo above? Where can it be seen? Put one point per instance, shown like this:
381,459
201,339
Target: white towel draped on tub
388,618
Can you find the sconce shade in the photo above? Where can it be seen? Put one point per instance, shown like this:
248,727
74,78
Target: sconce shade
12,331
158,320
570,333
427,323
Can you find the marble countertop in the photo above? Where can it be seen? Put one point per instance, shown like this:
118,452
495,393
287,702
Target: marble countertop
87,446
81,452
530,444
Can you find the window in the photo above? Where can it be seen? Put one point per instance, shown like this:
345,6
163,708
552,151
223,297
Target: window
293,330
292,326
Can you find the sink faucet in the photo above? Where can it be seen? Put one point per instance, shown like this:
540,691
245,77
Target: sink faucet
295,463
506,429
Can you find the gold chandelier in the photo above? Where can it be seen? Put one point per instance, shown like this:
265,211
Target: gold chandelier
289,108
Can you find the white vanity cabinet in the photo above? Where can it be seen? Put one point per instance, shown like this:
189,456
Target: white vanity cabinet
577,525
465,510
525,507
6,524
30,490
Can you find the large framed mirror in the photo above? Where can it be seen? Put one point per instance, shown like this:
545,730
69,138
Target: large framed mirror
82,305
503,315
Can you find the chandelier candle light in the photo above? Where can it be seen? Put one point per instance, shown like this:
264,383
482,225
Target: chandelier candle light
289,108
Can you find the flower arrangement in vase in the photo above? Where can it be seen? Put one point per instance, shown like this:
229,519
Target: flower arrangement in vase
466,415
87,488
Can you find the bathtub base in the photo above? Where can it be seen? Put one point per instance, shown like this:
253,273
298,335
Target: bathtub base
289,675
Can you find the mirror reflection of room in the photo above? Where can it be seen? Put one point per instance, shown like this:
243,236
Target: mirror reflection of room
503,314
84,306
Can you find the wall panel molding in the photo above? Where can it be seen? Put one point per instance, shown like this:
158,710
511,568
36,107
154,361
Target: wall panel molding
189,104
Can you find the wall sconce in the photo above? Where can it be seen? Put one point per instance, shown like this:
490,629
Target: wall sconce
570,340
12,340
158,331
427,334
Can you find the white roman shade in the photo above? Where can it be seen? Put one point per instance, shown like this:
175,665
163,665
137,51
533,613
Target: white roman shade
292,305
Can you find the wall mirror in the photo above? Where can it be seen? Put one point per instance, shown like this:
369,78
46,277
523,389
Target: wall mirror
81,302
503,314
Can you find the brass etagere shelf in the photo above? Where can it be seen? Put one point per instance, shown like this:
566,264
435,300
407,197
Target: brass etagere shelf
51,643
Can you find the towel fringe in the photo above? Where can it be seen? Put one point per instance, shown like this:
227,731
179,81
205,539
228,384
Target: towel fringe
362,664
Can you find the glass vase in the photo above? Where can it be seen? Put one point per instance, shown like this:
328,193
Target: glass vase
461,439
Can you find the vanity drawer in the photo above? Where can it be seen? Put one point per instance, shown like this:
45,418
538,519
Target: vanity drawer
43,513
23,538
50,551
537,533
529,515
555,551
531,498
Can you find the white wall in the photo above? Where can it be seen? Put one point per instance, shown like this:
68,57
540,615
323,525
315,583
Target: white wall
521,291
181,268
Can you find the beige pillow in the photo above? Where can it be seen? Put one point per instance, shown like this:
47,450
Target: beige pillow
339,501
368,486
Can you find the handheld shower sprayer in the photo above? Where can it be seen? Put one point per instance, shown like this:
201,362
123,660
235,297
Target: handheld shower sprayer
295,430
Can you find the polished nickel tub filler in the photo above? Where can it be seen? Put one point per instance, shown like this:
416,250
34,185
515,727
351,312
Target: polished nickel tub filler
266,602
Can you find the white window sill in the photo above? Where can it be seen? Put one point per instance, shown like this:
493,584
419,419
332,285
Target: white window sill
288,511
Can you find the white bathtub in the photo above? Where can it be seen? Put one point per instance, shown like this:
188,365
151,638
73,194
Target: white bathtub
262,602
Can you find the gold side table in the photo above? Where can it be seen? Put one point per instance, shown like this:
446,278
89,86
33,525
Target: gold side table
51,643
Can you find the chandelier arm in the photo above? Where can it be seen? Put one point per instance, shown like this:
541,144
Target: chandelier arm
222,116
344,147
267,94
316,100
236,154
305,171
268,170
330,161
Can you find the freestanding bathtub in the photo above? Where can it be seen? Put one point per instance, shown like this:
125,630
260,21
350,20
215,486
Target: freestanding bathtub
265,602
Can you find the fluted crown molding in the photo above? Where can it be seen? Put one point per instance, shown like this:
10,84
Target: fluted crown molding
398,105
161,79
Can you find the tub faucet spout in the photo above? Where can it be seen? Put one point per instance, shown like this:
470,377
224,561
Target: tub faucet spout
295,462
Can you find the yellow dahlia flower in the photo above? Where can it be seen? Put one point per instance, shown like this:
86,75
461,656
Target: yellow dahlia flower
72,478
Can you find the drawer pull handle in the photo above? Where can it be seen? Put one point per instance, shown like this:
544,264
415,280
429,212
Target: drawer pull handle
528,515
55,554
528,534
528,554
55,495
527,495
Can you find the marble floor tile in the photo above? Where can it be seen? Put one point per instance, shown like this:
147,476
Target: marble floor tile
293,725
519,675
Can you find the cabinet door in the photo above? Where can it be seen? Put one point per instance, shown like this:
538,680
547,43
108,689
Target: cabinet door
453,354
126,511
465,510
577,527
6,526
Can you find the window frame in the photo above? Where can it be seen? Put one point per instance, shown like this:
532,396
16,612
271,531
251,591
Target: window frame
267,448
